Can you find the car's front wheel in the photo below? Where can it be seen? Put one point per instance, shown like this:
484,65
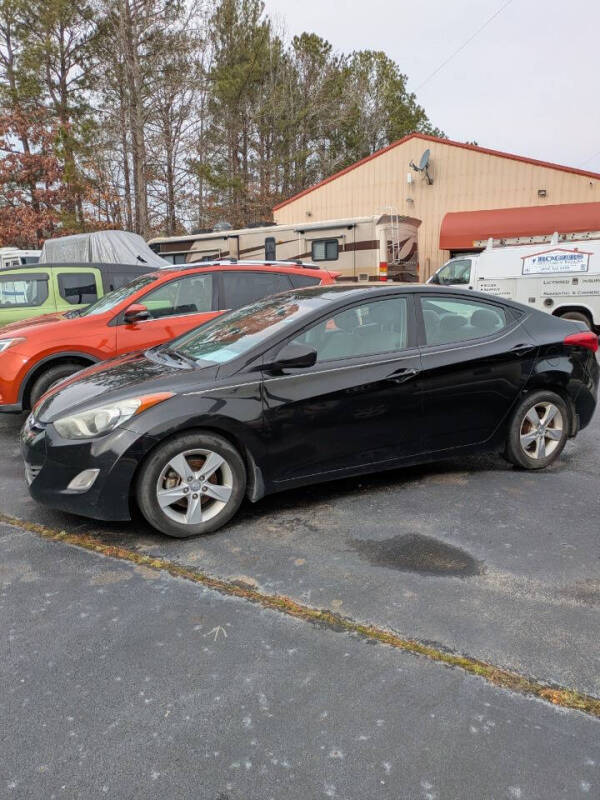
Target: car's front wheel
538,430
50,377
191,484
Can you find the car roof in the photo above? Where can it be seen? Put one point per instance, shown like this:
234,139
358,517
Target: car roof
101,265
347,290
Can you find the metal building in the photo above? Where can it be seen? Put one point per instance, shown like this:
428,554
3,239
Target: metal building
403,181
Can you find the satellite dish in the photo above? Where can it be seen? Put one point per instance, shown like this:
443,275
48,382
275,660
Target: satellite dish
423,166
424,162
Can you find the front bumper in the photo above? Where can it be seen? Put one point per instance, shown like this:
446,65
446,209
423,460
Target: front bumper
51,463
13,368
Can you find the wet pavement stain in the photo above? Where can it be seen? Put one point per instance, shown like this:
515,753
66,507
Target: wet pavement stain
585,592
414,552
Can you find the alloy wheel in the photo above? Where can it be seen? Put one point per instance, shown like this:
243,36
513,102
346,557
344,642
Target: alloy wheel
194,486
541,430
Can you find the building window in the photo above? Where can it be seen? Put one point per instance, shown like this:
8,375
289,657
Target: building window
325,250
174,258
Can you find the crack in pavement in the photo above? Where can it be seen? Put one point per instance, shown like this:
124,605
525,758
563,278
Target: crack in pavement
497,676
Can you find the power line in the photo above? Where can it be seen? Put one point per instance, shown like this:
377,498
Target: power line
463,45
591,158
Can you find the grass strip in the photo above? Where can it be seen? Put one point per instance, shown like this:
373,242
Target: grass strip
497,676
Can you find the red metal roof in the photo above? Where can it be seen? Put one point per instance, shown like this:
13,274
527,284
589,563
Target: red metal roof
427,138
460,229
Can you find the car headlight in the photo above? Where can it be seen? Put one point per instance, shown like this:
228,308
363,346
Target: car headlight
104,419
6,343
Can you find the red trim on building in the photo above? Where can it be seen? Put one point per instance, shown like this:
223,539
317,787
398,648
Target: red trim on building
450,142
460,229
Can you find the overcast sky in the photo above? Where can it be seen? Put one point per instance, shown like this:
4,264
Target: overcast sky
529,83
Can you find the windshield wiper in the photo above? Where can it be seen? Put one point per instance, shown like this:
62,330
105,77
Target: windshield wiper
76,312
171,351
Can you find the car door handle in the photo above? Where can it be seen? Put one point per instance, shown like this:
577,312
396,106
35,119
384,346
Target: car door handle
405,375
522,349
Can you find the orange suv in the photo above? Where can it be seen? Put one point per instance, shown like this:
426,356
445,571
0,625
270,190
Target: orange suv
155,307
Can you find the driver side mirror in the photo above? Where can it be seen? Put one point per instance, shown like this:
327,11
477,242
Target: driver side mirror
434,279
292,356
135,313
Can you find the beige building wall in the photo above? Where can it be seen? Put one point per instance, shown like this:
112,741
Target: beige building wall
463,180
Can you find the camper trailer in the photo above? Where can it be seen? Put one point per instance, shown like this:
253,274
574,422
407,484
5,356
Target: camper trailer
380,247
558,273
13,257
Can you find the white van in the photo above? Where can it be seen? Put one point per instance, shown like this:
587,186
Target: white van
558,274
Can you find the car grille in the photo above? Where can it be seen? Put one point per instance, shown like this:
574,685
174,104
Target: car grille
33,442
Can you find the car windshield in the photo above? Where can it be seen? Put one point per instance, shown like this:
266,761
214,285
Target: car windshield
112,299
239,331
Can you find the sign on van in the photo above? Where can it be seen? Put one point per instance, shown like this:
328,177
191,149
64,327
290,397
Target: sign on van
556,260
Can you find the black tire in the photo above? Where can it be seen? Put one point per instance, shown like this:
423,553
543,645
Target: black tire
49,377
579,316
516,452
157,462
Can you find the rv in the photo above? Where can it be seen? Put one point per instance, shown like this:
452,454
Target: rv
559,274
13,257
380,247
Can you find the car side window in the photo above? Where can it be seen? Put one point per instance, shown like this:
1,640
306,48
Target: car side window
449,319
118,278
242,288
190,295
455,272
377,327
77,287
27,291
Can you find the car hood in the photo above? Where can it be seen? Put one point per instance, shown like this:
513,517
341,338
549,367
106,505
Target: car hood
24,325
120,378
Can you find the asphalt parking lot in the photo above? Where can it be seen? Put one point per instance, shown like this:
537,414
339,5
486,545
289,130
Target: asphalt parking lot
472,556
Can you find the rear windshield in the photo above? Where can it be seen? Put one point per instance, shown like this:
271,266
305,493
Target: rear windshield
112,299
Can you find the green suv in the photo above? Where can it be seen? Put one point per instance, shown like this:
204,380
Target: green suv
27,292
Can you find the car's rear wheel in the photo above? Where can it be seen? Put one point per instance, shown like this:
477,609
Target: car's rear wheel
579,316
191,484
50,377
538,430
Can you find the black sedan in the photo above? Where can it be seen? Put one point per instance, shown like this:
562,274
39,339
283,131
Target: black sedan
308,386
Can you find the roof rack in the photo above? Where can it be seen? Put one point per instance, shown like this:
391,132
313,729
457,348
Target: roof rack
245,263
542,238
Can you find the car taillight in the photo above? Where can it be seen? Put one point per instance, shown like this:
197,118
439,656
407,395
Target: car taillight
587,339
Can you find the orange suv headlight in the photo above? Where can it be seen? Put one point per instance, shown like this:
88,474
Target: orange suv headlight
6,343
